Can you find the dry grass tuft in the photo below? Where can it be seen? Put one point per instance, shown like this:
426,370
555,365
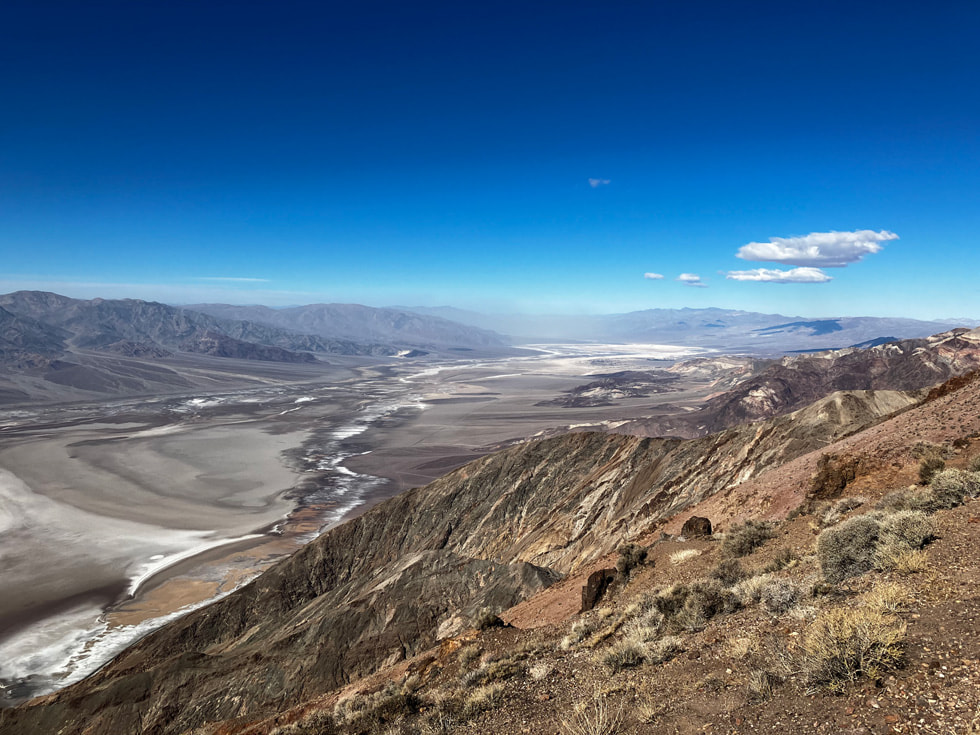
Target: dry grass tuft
469,655
843,645
761,684
887,597
679,557
664,649
595,717
580,630
540,670
624,654
906,562
482,699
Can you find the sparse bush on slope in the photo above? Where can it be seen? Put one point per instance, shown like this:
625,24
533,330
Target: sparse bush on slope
844,644
950,488
848,549
929,466
745,538
871,541
630,557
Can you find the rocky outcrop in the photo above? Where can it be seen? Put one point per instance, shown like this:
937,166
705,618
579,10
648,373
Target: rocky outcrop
791,383
696,526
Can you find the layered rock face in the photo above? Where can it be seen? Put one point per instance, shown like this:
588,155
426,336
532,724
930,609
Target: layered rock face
785,385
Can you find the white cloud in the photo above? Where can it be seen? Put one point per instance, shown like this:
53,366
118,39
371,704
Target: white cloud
596,183
232,279
653,276
819,249
774,275
691,279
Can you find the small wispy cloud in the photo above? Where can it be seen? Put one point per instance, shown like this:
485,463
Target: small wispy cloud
596,183
691,279
818,249
774,275
653,276
232,279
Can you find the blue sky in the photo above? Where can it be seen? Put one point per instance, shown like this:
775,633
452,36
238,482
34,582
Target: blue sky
508,156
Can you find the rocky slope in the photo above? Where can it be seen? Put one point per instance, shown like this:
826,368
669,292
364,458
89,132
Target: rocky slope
389,583
785,385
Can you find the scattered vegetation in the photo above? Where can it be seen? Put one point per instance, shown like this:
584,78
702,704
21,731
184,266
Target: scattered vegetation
375,710
581,629
468,655
482,699
784,559
745,538
665,649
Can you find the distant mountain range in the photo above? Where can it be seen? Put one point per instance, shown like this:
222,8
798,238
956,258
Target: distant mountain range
56,347
724,329
362,324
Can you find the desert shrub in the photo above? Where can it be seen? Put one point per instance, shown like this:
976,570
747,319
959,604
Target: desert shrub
929,465
888,597
630,557
540,670
668,602
749,590
679,557
664,649
592,717
372,711
646,626
624,654
745,538
703,599
784,558
780,595
905,499
580,630
486,618
974,464
848,549
482,699
906,529
760,685
835,512
950,487
843,645
468,655
728,572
